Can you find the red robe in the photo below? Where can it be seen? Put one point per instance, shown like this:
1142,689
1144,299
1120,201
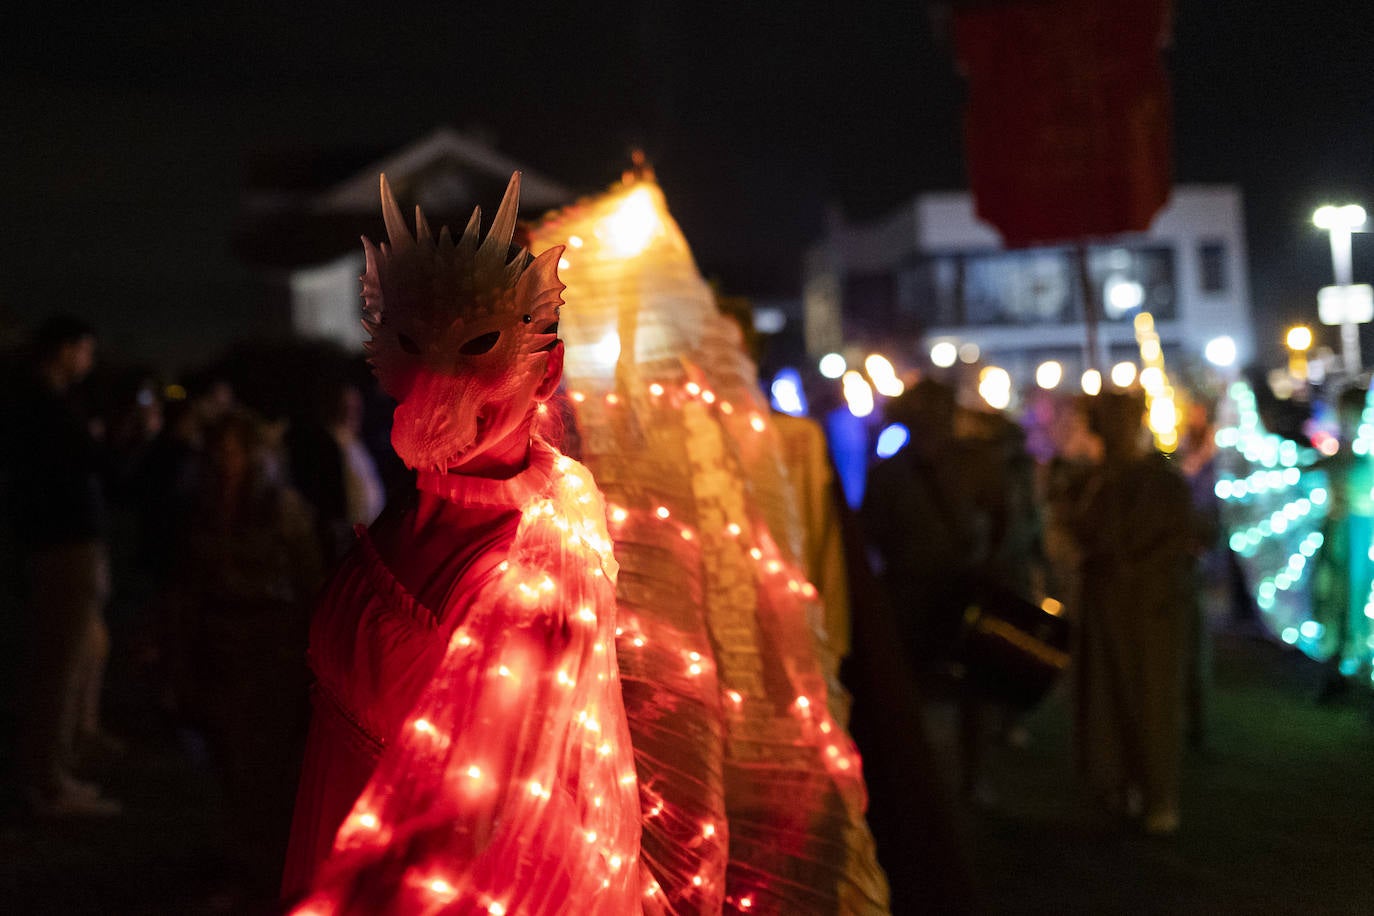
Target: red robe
469,736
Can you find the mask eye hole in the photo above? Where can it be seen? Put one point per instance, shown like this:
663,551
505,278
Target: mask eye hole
408,345
480,344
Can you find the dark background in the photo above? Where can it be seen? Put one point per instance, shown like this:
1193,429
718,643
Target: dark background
125,130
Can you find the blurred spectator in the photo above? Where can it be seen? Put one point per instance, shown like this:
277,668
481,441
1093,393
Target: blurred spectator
1003,488
332,468
1197,453
931,540
61,516
364,494
926,530
1137,536
1076,451
250,567
162,489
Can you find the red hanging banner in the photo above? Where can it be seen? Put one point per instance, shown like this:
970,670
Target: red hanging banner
1067,131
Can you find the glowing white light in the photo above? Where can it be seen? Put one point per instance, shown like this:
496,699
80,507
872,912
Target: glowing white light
1123,374
769,320
877,366
1121,296
1220,351
607,350
787,393
1152,380
1163,416
833,365
1091,382
1299,338
994,386
884,376
857,394
969,352
1049,374
630,229
891,440
1351,216
943,354
891,387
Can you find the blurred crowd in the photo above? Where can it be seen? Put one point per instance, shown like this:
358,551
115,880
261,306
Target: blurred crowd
196,524
1103,533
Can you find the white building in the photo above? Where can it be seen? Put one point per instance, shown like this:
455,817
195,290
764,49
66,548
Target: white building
934,272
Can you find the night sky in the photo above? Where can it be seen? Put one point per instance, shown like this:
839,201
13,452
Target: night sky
126,134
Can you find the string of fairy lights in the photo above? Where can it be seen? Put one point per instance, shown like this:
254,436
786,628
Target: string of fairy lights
1363,447
1274,516
632,225
570,519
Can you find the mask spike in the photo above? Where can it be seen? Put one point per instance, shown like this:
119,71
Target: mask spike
503,226
396,230
422,233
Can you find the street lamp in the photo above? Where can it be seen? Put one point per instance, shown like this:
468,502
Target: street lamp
1339,222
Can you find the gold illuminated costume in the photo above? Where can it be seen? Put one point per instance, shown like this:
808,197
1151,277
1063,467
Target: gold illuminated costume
752,794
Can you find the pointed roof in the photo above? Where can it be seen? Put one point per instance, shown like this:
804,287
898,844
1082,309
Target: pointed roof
309,208
444,149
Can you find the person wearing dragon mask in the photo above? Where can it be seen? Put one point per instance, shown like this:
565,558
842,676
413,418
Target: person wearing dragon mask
469,748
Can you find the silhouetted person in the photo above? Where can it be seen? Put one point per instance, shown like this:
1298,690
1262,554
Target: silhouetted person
1197,454
1136,530
62,520
332,468
250,566
931,540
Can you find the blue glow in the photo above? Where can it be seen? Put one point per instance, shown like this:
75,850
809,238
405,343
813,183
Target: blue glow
788,396
849,446
891,440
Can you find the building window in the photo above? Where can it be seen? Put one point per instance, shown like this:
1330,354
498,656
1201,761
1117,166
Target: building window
1037,286
1211,257
1133,280
1018,287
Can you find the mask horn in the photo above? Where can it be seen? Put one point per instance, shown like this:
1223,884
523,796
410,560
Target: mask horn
396,230
503,226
